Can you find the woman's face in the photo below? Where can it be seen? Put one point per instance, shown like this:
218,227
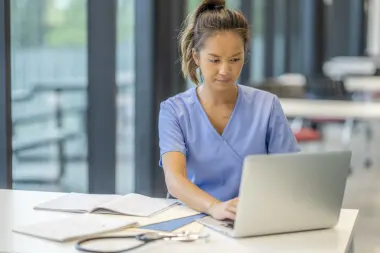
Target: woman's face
221,59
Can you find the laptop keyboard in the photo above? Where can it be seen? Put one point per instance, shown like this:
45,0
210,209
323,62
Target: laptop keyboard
228,224
225,227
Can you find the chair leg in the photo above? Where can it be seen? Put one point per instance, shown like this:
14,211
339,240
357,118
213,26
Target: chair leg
369,134
61,161
347,134
296,124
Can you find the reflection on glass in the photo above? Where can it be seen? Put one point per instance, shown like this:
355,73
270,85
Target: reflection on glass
233,4
126,110
279,39
257,53
49,76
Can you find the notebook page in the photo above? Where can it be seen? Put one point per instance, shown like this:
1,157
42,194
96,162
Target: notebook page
75,227
136,205
76,202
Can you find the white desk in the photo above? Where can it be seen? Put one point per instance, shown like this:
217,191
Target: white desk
16,209
347,110
330,109
362,84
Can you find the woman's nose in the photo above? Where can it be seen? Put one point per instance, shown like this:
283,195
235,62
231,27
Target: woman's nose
224,69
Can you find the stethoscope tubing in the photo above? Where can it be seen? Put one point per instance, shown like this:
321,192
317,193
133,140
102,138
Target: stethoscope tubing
79,244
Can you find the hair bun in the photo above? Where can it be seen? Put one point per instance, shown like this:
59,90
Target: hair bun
213,4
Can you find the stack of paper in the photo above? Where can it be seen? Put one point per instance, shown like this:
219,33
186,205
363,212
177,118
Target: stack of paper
75,227
131,204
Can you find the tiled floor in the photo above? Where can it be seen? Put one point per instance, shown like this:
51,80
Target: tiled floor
362,191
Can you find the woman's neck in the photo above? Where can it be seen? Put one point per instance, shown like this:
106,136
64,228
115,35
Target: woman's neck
216,98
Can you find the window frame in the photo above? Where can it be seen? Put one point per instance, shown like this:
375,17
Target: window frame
101,95
5,97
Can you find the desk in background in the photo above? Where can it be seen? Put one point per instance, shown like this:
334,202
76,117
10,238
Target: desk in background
348,110
366,87
370,84
17,209
330,109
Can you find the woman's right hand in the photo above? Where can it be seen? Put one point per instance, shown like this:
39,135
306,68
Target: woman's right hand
224,210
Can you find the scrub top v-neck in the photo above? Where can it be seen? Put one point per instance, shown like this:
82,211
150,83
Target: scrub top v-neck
214,161
206,118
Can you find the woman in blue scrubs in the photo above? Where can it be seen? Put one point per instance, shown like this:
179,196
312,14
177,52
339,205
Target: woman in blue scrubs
206,132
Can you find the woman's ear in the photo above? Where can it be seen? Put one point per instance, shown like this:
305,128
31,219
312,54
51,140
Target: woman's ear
195,57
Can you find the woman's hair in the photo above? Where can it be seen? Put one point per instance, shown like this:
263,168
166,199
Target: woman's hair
210,17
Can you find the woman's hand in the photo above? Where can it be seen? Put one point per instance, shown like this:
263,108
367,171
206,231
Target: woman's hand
224,210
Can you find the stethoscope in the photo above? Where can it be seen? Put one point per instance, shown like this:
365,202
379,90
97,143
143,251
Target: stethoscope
144,238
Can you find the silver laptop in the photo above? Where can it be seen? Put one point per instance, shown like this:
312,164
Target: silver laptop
284,193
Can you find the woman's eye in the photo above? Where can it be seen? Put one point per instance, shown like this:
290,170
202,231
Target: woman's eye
236,60
214,61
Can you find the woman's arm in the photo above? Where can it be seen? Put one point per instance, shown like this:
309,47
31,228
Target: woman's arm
173,161
180,187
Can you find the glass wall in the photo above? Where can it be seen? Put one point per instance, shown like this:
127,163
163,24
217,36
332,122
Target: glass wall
49,78
258,37
279,38
373,34
233,4
125,55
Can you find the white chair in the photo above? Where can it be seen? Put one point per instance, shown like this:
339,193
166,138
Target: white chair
293,80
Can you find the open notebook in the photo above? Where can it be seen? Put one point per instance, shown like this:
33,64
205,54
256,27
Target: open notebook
131,204
75,227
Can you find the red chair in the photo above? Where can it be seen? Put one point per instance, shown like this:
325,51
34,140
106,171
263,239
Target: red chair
307,135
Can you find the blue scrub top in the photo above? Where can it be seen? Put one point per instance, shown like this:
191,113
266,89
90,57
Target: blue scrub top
213,161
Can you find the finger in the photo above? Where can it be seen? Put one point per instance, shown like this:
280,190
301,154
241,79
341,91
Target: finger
231,208
230,215
233,202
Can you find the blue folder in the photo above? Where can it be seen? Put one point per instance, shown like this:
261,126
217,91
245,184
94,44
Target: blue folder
171,225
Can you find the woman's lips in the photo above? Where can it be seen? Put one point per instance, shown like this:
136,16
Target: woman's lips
223,80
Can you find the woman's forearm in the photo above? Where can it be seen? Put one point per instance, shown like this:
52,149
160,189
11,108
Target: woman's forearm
191,195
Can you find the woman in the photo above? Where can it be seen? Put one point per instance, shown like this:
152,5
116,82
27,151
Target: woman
205,132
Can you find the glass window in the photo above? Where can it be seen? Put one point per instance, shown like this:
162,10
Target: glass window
373,36
233,4
258,38
279,38
126,109
49,77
